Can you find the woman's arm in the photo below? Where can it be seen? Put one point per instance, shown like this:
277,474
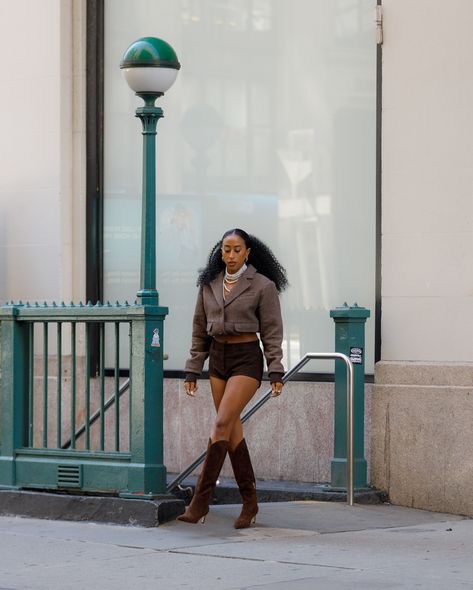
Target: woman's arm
271,331
200,344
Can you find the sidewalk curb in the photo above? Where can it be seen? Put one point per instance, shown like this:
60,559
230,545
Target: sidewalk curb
105,509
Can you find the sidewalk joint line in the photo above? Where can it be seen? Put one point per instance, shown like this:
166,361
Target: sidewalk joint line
262,560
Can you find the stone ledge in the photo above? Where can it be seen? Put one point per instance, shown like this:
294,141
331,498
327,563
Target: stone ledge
424,373
107,509
227,492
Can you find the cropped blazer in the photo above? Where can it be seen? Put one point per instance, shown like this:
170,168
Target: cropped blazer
251,306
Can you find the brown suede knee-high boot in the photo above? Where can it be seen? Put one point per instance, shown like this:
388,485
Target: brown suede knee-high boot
245,478
199,506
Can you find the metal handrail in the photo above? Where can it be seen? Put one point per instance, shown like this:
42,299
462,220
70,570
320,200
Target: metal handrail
350,417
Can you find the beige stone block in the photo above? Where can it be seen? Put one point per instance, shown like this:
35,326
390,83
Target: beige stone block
197,416
409,330
307,431
422,441
289,438
262,432
424,373
420,264
380,429
368,428
172,425
417,447
458,476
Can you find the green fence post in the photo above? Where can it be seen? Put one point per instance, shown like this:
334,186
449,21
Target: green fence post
349,340
147,472
14,365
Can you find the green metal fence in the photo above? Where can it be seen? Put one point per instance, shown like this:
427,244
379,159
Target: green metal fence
55,432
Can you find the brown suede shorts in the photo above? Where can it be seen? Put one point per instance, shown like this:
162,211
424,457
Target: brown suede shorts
230,359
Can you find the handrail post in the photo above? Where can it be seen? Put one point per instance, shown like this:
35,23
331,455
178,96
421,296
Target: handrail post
350,433
349,340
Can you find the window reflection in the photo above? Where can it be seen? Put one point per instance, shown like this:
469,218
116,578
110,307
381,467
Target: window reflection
231,15
270,127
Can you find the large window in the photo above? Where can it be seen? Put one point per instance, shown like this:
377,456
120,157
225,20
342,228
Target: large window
269,127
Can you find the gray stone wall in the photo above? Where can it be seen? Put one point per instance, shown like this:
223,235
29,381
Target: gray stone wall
290,438
422,435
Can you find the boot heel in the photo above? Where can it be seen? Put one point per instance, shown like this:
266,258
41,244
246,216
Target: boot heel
199,506
245,478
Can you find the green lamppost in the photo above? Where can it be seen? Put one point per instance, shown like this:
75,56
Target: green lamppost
150,67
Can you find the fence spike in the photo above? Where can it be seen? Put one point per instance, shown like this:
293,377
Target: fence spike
54,304
89,303
36,304
117,303
72,304
28,304
81,304
45,304
63,304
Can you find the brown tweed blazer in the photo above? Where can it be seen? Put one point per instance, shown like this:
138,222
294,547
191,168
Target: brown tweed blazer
251,306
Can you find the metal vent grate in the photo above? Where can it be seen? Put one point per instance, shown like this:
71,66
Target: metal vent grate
69,476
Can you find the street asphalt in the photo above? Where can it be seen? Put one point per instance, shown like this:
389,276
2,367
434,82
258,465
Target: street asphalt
294,546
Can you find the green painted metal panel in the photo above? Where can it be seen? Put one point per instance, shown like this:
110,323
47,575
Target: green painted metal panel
141,471
350,340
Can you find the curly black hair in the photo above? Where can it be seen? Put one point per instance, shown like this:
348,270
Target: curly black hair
260,257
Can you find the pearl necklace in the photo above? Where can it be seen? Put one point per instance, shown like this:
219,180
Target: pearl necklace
231,279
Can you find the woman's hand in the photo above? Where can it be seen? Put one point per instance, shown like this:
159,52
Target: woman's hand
276,389
191,388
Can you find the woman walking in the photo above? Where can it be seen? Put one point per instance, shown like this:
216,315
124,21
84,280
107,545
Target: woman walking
238,298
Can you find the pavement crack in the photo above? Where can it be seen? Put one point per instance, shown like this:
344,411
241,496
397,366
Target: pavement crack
216,556
262,560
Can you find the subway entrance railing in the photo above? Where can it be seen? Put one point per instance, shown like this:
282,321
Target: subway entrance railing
55,432
350,406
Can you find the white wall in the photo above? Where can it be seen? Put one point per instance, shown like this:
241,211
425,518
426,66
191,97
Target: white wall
41,143
427,206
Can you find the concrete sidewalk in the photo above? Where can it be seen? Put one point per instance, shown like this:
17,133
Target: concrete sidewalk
295,546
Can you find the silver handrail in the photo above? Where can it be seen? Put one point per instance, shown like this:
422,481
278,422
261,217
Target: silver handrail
350,417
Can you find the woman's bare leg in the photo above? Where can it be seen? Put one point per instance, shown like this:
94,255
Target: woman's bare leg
218,389
230,398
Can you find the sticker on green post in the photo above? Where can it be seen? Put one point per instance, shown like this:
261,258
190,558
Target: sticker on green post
155,342
356,355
